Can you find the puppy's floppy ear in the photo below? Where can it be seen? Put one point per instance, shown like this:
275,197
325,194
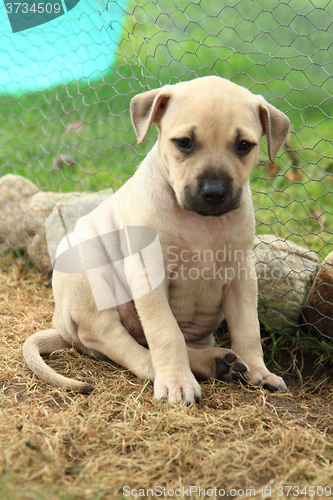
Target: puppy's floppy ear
275,125
148,108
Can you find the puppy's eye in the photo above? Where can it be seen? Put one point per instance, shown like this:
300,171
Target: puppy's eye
244,147
184,143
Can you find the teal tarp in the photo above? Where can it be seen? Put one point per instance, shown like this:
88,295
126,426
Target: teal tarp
80,44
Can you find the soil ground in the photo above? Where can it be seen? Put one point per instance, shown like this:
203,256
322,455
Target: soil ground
118,442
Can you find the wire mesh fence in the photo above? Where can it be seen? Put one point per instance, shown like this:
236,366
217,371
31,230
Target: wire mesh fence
65,127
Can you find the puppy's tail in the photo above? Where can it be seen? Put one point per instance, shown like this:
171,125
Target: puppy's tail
45,342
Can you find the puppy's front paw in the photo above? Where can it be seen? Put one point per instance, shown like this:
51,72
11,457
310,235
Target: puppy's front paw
177,388
267,380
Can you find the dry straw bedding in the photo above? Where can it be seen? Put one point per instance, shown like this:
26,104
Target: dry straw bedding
58,444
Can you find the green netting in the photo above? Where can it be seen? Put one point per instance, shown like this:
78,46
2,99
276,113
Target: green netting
73,133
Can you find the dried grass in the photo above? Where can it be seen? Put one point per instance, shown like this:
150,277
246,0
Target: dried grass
55,444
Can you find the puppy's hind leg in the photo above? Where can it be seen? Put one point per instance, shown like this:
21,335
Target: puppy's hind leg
45,342
216,362
207,361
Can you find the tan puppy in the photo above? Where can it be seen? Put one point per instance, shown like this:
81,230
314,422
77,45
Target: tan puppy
193,189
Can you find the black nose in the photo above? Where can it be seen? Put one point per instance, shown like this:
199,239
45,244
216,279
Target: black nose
213,191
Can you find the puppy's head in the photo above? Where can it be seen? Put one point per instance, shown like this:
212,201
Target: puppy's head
209,139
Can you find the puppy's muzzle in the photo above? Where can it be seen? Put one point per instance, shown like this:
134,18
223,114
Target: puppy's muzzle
213,192
212,196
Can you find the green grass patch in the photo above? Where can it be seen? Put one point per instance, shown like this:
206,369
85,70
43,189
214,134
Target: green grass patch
278,50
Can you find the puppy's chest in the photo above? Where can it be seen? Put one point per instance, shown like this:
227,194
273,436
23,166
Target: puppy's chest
196,303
